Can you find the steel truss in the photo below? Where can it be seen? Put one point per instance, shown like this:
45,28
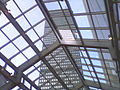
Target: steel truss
113,47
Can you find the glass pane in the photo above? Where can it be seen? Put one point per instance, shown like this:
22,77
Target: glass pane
53,6
3,39
23,23
103,34
32,35
95,5
9,50
29,53
3,20
34,15
20,43
87,34
13,8
40,28
25,5
18,60
2,63
10,31
34,75
77,6
39,45
82,21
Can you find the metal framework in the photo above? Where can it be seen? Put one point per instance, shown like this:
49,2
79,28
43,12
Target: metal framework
83,60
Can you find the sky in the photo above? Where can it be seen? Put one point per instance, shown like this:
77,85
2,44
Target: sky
8,48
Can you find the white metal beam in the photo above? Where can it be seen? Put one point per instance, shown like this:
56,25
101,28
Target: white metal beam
91,43
36,58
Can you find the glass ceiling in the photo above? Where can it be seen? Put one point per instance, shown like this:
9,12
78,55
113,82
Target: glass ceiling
59,45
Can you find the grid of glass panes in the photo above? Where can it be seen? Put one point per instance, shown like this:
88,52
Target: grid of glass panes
89,19
92,23
38,74
12,44
103,64
62,65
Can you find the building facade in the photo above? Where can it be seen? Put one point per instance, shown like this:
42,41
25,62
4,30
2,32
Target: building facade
58,58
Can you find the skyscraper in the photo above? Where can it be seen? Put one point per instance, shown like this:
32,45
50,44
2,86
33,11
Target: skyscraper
58,58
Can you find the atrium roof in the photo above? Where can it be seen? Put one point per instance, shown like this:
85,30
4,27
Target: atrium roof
79,50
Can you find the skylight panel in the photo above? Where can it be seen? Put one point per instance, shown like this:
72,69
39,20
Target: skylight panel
93,88
3,20
32,35
9,50
87,34
37,81
94,54
27,84
85,67
10,70
25,4
52,6
99,69
83,53
13,8
90,67
16,88
77,6
110,64
63,4
96,62
19,51
66,34
103,81
107,56
23,23
95,5
2,63
82,21
3,39
19,43
93,74
34,15
86,61
40,28
39,45
89,78
60,21
29,70
86,73
10,31
37,64
118,8
33,88
29,53
35,74
100,20
103,34
18,60
101,75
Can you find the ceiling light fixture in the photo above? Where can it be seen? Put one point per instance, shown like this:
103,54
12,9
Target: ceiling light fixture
110,37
